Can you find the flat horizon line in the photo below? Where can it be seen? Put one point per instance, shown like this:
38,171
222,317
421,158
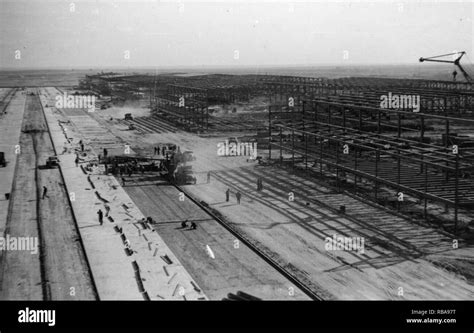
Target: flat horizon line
203,67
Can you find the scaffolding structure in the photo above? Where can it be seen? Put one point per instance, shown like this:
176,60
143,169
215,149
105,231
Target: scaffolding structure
183,106
439,97
188,105
390,154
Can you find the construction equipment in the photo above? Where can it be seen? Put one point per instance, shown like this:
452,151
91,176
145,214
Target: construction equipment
52,162
184,175
128,116
455,61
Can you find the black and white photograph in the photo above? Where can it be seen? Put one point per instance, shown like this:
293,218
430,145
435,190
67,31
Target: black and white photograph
170,157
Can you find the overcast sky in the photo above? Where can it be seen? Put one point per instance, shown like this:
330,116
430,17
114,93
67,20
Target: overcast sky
223,33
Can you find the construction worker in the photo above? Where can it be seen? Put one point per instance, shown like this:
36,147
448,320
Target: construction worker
45,192
123,181
227,194
105,152
238,196
77,161
101,216
107,209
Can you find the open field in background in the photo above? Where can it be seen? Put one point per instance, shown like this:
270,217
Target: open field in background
69,77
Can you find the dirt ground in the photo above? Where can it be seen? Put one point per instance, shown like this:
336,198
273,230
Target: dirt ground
235,267
232,269
401,260
398,254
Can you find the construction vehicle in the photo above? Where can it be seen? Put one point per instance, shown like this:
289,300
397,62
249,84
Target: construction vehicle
52,162
455,62
184,175
128,116
3,163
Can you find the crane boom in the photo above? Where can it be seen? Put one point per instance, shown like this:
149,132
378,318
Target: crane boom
455,61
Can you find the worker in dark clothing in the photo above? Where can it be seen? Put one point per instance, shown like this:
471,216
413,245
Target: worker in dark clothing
105,152
101,216
227,194
123,181
238,196
107,210
193,226
45,192
77,161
